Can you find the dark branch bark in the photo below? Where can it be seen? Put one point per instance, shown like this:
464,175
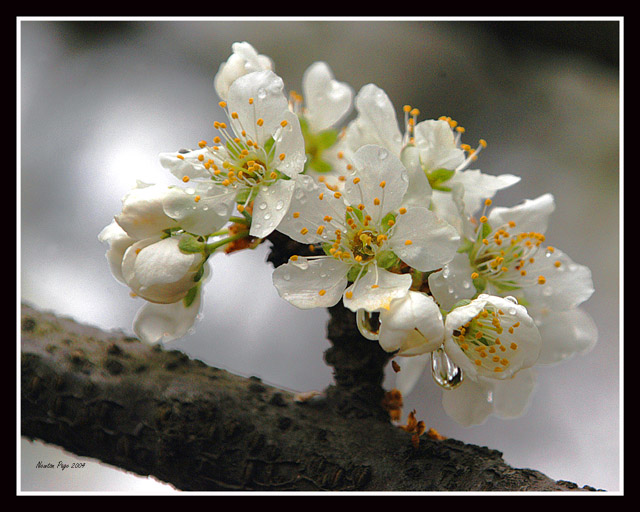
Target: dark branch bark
158,412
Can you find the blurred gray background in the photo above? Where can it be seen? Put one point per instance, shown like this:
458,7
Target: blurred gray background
99,100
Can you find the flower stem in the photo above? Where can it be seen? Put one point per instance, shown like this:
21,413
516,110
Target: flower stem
210,248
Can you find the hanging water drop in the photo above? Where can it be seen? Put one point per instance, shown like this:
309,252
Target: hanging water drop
368,326
444,371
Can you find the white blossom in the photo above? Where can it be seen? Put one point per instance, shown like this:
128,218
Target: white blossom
244,59
365,231
255,159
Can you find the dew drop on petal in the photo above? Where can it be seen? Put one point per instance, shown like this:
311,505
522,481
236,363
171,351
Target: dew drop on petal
262,206
444,371
280,205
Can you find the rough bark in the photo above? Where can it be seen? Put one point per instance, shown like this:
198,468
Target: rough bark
157,412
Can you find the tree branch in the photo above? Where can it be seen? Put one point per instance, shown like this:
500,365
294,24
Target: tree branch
158,412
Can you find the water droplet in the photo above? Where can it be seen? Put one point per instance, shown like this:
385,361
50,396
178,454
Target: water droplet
367,325
383,154
262,93
511,299
466,285
547,291
511,311
280,205
262,206
445,272
286,277
301,263
266,216
444,371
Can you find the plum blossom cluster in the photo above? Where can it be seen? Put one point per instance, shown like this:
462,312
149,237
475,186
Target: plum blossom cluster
402,231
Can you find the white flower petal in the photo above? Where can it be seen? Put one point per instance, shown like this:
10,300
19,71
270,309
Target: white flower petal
411,369
511,398
327,101
270,206
119,241
412,325
311,283
376,289
244,59
204,216
307,212
419,190
376,122
468,404
187,164
289,146
161,323
565,334
374,165
258,96
142,212
532,215
436,144
423,240
453,283
567,284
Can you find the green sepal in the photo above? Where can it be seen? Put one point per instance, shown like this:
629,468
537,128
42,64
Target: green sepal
386,219
326,247
460,303
191,296
386,259
438,177
319,165
480,283
190,244
268,144
465,246
199,274
354,271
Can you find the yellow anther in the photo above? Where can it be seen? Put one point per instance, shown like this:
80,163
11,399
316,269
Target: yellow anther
185,179
383,184
284,123
282,156
304,231
234,115
348,295
320,230
196,199
321,196
408,242
273,175
294,257
226,183
483,219
337,195
223,104
497,369
328,218
487,202
296,215
240,208
415,112
202,143
180,157
402,210
376,201
407,108
557,264
360,207
478,362
550,249
358,258
260,122
374,286
505,362
495,359
541,280
460,129
514,346
356,180
250,101
512,224
483,143
322,292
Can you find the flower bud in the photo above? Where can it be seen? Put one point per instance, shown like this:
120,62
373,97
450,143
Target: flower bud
143,213
158,271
